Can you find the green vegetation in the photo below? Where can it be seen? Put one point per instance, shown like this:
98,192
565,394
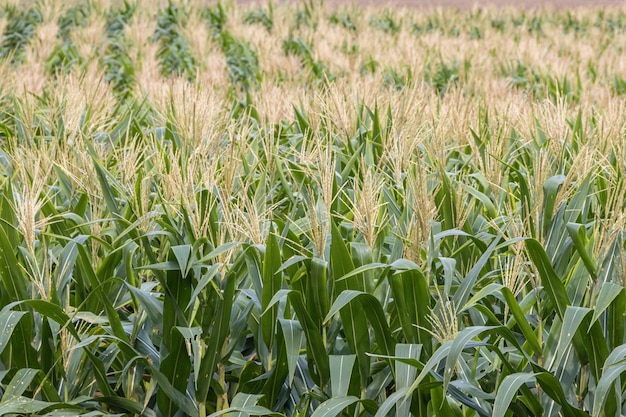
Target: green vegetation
174,54
20,28
300,210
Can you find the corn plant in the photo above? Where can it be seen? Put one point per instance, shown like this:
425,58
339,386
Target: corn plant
342,19
410,239
300,47
20,29
260,16
386,23
174,54
65,54
442,76
215,17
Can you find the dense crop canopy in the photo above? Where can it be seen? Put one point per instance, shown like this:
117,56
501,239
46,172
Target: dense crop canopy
307,210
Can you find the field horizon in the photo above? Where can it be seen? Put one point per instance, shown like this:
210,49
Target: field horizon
464,4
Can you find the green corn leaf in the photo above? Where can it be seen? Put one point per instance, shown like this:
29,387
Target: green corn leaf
206,279
572,321
315,344
411,294
217,337
13,280
463,293
8,321
114,318
317,290
182,253
292,330
553,285
405,374
193,340
24,406
123,404
507,390
152,306
54,312
459,343
162,266
334,406
272,283
65,267
252,410
244,402
179,399
488,205
579,237
279,370
218,251
434,360
398,399
521,321
374,313
615,319
105,179
340,373
553,388
20,383
294,260
550,190
362,269
606,295
614,367
353,319
490,289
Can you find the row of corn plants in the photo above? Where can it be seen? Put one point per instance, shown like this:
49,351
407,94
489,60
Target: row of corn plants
233,238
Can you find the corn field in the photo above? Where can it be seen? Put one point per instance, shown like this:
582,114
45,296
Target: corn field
305,209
